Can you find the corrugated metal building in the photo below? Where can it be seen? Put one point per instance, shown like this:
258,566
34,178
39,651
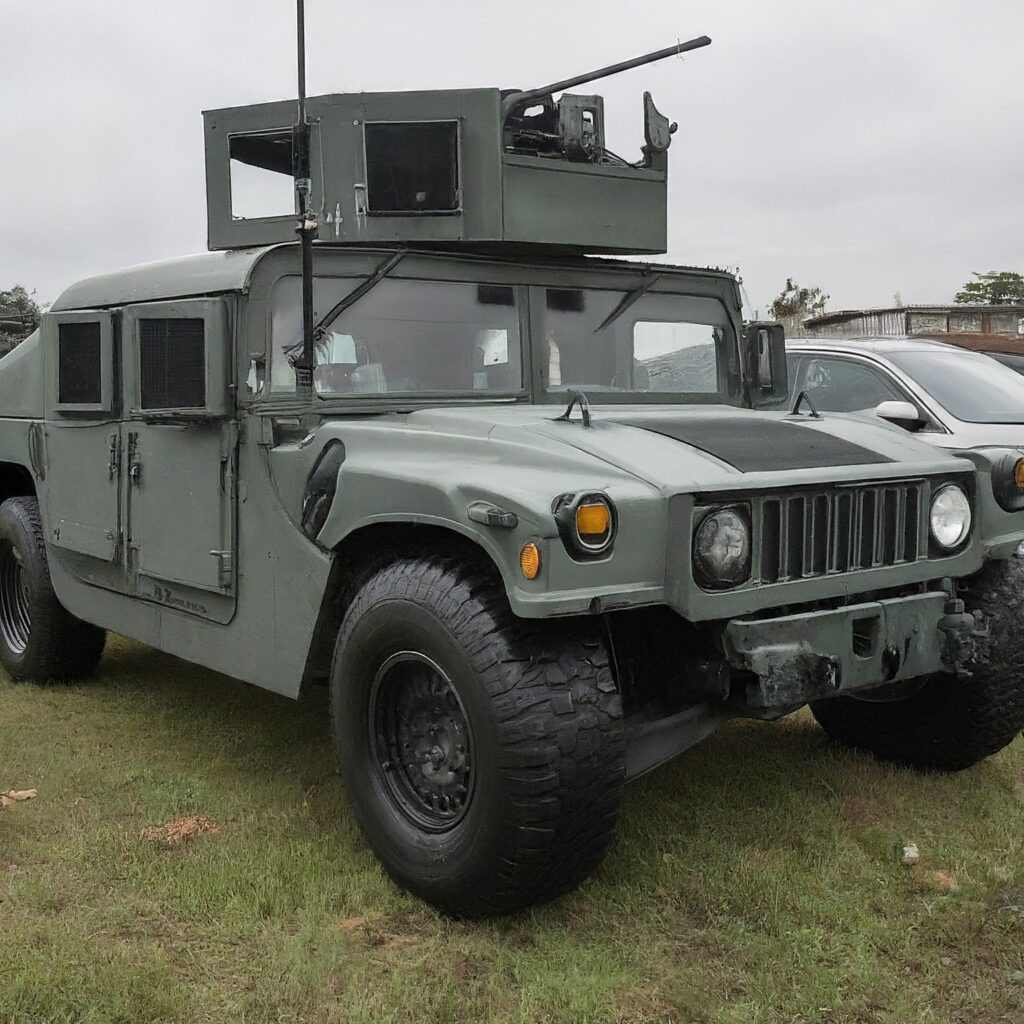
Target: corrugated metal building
1002,326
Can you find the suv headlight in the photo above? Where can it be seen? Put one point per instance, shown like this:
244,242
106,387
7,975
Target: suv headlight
721,547
950,516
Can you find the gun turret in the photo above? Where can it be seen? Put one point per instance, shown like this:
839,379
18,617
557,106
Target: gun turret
475,169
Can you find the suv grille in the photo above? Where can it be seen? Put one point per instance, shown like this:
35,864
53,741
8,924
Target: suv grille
839,530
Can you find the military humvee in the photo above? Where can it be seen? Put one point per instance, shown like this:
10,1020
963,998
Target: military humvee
539,517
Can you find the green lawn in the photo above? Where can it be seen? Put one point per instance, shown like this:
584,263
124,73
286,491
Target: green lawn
755,879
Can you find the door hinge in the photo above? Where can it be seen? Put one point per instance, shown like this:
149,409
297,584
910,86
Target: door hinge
227,567
114,456
134,462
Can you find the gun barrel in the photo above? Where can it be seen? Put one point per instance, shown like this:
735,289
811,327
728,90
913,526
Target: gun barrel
613,69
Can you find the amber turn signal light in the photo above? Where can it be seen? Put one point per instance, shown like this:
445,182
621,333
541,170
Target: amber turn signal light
1018,474
529,560
593,519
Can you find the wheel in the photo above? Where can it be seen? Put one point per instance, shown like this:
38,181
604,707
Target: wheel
949,723
484,755
39,638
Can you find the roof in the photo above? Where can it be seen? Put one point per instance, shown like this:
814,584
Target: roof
849,314
971,342
203,274
229,270
879,346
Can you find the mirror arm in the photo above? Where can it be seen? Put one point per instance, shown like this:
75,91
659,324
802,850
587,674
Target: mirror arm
802,398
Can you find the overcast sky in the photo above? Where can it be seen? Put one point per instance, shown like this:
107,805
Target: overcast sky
870,148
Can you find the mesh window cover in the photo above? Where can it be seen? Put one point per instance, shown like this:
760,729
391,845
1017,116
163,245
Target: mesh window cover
79,371
172,363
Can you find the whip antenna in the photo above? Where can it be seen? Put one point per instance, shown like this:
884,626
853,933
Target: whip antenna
307,225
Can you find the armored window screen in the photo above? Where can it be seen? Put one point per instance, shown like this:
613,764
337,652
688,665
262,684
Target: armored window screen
172,363
79,364
412,167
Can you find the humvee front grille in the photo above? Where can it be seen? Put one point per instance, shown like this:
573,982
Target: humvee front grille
839,530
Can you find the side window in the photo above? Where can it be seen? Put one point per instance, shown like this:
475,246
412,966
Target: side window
177,356
81,378
172,363
79,364
841,385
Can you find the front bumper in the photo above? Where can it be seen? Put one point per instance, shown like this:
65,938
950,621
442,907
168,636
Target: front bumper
811,655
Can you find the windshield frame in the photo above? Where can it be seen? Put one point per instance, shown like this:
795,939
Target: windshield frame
524,274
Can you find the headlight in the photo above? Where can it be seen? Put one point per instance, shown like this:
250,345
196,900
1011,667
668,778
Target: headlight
1008,482
721,548
950,516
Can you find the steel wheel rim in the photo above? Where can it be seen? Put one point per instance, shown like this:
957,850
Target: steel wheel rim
15,600
421,741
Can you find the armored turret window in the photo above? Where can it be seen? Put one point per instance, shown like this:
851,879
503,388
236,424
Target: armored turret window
261,175
412,167
79,364
172,363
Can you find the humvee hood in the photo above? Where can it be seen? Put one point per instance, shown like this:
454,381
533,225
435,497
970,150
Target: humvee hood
775,445
708,447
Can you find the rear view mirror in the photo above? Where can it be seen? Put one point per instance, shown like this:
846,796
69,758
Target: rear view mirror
903,414
764,360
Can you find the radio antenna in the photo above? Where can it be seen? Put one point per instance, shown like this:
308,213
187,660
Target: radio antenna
307,225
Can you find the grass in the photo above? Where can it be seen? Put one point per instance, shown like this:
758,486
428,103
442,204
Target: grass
756,879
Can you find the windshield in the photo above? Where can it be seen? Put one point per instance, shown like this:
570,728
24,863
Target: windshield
672,346
403,337
973,387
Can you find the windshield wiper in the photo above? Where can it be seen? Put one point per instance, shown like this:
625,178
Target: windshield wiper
650,280
382,271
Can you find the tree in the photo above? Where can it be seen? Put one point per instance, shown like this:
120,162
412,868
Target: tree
795,301
996,288
19,316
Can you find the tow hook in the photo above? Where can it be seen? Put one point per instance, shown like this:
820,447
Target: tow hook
958,627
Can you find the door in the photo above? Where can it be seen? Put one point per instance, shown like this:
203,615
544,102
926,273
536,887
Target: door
81,479
180,442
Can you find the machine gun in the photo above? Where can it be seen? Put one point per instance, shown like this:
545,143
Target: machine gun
573,126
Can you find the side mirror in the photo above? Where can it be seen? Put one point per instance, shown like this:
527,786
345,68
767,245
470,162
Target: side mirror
903,414
764,364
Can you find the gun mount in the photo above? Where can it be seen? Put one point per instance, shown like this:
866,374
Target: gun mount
475,168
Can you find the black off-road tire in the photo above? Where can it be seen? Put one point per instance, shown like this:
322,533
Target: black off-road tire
536,707
40,639
950,724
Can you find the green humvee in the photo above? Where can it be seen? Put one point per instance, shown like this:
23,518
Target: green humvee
538,518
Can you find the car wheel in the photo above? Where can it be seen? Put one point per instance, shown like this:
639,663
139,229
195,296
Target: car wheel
484,755
39,638
948,723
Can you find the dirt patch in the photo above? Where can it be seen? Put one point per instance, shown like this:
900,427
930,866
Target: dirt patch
183,830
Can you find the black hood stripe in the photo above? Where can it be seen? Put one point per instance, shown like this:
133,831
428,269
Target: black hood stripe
755,445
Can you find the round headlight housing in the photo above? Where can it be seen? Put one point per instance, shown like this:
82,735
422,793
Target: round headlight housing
587,523
721,548
1008,482
950,517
